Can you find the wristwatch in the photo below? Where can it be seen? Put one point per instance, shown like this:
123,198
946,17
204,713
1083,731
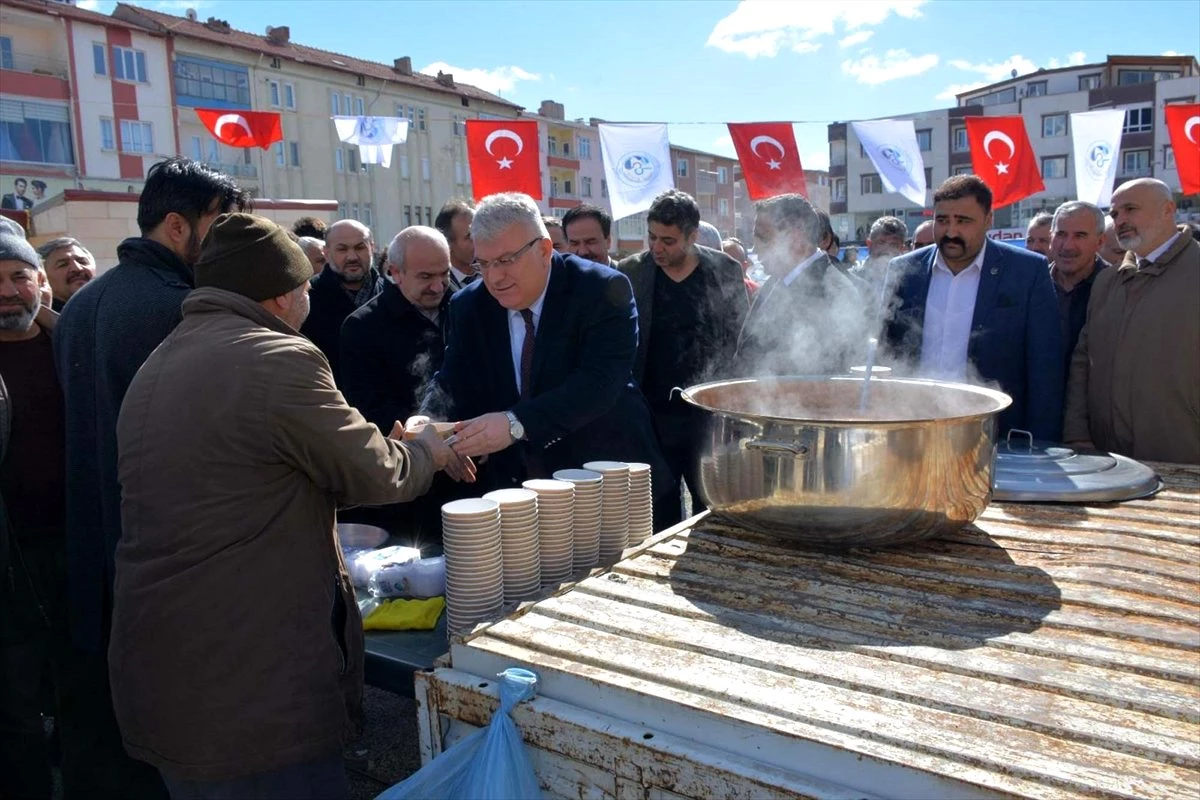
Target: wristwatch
515,429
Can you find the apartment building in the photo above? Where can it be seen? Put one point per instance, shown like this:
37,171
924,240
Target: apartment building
572,167
708,177
1141,85
136,76
816,185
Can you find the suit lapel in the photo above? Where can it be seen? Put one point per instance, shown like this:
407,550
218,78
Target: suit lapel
989,286
643,298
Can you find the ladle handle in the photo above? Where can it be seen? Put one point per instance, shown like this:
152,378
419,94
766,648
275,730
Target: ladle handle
771,446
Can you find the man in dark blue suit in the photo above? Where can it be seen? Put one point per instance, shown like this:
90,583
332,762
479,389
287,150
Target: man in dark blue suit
974,309
539,358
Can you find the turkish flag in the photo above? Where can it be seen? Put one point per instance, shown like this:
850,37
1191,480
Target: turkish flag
503,157
242,128
769,157
1003,158
1183,123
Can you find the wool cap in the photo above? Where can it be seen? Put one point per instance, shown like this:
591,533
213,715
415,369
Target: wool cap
14,246
252,256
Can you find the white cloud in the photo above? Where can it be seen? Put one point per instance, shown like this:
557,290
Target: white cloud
816,159
88,5
496,81
855,38
873,70
1170,53
763,27
1023,66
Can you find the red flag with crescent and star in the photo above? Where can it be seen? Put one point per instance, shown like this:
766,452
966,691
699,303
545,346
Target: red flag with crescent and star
242,128
1003,158
1183,123
503,157
769,157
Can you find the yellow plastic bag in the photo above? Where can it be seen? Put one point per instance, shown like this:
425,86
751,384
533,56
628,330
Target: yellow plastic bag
405,615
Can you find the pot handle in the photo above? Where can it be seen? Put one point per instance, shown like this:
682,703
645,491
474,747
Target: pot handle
771,446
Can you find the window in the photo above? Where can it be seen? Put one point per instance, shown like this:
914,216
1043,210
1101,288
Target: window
352,160
1054,167
1168,157
420,119
425,168
275,93
214,152
6,52
1128,77
585,186
99,62
197,144
681,167
129,65
722,206
108,140
1135,163
339,160
360,108
289,96
201,82
354,210
871,184
838,190
1054,125
722,174
1089,82
928,182
997,98
294,154
335,102
959,144
428,215
553,186
1139,120
459,125
367,217
552,146
409,112
408,216
568,189
837,153
603,188
346,100
404,166
566,148
136,137
963,170
1035,89
925,140
280,156
585,148
460,173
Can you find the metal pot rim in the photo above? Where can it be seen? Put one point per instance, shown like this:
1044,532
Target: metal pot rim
1001,399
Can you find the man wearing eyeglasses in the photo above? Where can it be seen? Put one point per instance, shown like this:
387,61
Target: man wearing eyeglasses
540,355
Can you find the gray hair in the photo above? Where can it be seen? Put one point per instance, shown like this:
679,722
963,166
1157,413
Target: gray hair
399,246
311,241
888,225
1042,218
708,236
1076,207
57,244
496,212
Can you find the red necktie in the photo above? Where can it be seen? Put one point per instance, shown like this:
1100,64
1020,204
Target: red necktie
527,355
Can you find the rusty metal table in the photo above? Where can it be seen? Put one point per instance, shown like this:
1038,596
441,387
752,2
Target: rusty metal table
1045,651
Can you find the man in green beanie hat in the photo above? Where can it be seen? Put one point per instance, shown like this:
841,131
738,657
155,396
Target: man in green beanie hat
237,647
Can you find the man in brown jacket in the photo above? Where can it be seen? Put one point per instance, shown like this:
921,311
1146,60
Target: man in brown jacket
237,647
1134,385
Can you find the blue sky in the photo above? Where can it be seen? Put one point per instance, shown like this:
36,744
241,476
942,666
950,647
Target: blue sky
711,61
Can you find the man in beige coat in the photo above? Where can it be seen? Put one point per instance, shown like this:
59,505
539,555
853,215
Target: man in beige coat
1134,385
237,647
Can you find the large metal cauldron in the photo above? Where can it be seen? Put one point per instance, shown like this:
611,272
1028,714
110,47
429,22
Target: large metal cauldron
793,457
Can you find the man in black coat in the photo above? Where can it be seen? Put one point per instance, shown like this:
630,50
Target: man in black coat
347,283
104,335
1076,233
691,304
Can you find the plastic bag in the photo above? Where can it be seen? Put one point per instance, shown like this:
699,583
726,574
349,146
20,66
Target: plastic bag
489,764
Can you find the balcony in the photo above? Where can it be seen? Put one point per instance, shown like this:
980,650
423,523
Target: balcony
234,170
706,182
32,64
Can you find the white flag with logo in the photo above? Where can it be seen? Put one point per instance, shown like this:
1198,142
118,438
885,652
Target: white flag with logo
637,165
1096,136
891,144
373,135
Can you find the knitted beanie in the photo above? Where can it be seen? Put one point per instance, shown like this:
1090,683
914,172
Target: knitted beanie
14,246
252,256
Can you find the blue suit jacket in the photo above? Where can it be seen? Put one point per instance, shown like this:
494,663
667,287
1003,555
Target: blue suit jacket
1015,340
584,405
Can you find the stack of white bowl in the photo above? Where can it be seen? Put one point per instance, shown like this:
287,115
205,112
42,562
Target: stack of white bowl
641,503
556,514
614,508
474,571
519,542
588,503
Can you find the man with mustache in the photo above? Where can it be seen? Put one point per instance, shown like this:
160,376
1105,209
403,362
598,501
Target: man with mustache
104,335
1075,235
68,265
1134,382
1037,235
974,309
348,282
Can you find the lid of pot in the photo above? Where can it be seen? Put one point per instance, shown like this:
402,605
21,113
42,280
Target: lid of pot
1029,471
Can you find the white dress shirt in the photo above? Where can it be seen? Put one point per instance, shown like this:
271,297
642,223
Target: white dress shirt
791,277
516,331
949,311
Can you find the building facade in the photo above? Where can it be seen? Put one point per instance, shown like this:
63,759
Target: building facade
572,168
1140,85
816,187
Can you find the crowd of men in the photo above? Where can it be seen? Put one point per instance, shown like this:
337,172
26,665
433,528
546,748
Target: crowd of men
179,435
